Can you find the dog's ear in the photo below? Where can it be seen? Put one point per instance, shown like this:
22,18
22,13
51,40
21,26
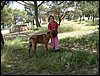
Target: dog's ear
48,32
35,36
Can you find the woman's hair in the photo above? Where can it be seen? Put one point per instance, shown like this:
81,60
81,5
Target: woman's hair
49,18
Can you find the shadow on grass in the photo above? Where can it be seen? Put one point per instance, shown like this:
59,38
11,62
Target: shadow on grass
15,59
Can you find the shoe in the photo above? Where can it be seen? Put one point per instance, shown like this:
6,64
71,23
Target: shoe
56,50
53,47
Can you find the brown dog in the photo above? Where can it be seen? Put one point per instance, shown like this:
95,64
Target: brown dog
39,38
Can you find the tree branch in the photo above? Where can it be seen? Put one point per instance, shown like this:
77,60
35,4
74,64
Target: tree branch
24,4
3,3
41,3
28,3
63,16
60,2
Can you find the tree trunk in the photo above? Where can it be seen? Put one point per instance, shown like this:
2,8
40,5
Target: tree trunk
2,6
59,21
28,23
83,18
36,14
80,18
60,18
93,19
88,17
33,22
2,40
40,20
3,26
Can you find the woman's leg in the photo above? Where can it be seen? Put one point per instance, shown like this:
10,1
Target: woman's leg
56,42
53,43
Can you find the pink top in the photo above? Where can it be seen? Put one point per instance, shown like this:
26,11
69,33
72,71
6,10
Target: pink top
55,26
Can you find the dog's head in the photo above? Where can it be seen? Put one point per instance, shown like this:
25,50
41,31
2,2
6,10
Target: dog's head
49,34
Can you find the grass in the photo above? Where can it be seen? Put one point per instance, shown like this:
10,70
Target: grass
92,40
88,22
15,59
69,26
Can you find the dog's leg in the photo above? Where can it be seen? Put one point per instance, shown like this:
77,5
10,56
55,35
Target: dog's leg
46,45
30,45
35,45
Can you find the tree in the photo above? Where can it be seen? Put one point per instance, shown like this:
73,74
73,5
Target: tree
35,6
3,3
80,9
94,9
59,8
77,13
42,13
36,14
19,15
30,14
6,16
88,8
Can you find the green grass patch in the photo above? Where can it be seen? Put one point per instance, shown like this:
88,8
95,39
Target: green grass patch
15,59
69,26
87,28
92,40
65,29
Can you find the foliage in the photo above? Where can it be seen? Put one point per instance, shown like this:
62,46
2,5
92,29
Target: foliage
6,16
9,14
87,8
19,15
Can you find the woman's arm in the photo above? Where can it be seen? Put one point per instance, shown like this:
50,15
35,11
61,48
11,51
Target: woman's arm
49,28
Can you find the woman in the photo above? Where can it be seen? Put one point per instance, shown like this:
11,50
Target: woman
53,27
